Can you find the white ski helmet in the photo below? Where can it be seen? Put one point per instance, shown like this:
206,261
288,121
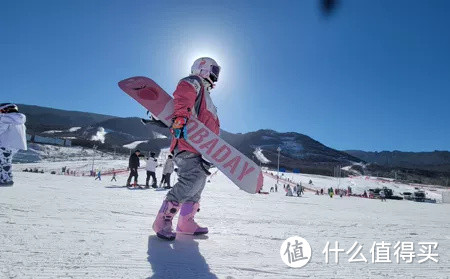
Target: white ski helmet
207,68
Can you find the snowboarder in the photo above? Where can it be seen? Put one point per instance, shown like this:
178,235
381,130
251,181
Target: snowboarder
99,175
276,187
114,175
12,138
382,195
365,194
167,172
150,167
133,165
289,191
191,98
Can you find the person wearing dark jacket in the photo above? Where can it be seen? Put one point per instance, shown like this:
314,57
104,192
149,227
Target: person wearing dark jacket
133,165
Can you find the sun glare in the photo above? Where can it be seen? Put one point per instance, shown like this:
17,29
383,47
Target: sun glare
190,57
216,55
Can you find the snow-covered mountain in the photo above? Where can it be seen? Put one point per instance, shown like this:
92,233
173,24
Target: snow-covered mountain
86,129
298,151
436,160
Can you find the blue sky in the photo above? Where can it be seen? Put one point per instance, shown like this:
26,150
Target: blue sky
375,75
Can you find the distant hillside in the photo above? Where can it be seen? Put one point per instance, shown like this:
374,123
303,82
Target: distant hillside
115,133
40,119
433,161
298,151
83,128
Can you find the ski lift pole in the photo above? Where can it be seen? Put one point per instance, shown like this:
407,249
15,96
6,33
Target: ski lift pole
278,174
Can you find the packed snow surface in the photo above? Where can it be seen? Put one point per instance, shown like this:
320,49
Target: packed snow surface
134,144
38,152
74,129
260,156
157,135
359,184
57,226
52,132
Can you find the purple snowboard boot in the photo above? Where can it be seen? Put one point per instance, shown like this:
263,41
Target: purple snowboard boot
186,223
163,222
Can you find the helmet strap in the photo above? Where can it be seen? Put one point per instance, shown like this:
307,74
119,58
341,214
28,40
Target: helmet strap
211,83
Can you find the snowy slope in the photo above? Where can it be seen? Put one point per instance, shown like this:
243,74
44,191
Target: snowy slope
260,156
359,184
55,226
134,144
157,135
38,152
52,132
74,129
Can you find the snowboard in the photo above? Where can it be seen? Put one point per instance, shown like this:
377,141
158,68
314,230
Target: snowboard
138,187
245,173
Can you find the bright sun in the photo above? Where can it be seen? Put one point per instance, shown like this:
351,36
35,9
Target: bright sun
217,55
193,47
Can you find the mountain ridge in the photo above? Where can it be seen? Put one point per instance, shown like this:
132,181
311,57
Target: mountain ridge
298,151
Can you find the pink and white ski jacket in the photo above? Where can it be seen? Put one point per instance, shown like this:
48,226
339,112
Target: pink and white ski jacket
185,97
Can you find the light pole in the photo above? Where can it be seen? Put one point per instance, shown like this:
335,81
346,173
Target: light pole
340,175
278,174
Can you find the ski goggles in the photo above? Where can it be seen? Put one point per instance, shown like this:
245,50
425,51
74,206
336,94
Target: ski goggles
215,70
8,107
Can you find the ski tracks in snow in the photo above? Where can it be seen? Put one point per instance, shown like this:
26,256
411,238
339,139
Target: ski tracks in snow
55,226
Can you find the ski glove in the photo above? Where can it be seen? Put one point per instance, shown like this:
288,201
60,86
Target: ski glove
178,128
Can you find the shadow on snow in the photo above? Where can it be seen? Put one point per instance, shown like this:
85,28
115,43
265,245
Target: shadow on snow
177,259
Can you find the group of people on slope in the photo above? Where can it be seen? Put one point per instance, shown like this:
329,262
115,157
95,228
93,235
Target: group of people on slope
336,192
298,190
192,99
150,167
